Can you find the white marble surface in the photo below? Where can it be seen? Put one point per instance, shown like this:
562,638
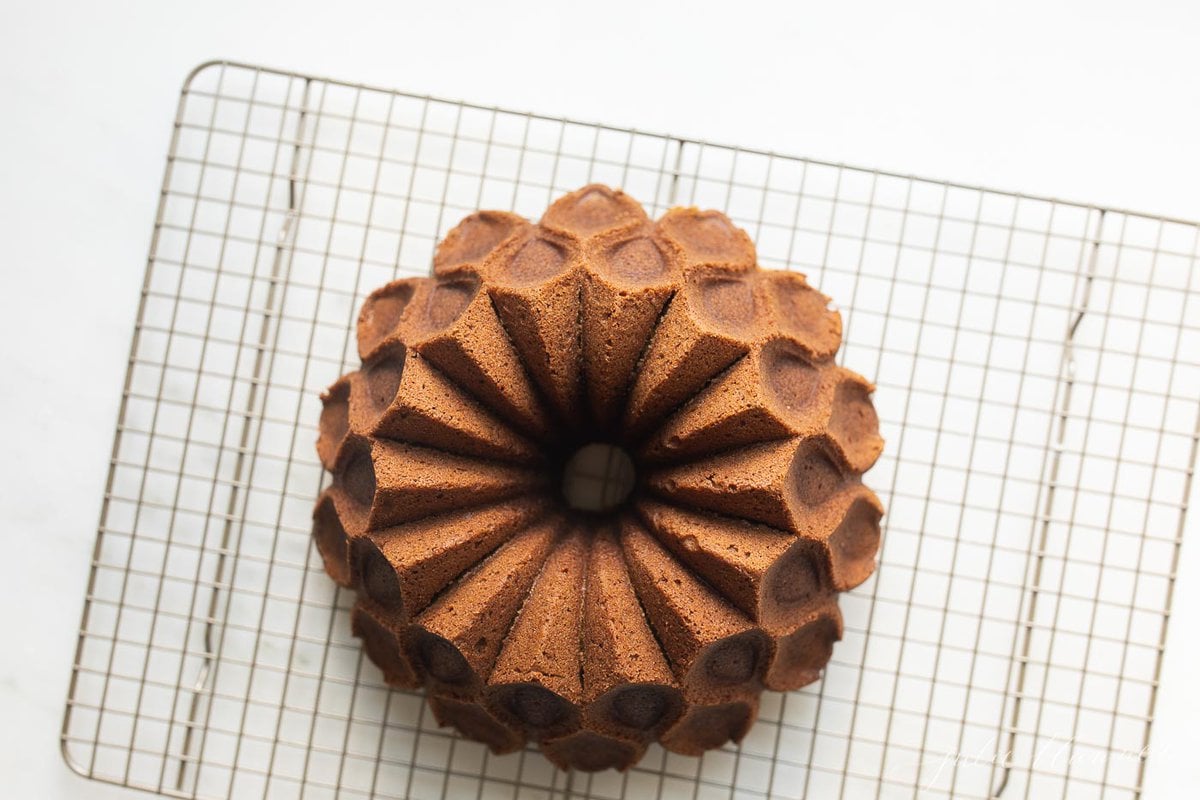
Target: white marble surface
1081,100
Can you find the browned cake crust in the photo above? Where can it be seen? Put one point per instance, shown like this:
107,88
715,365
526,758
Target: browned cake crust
596,634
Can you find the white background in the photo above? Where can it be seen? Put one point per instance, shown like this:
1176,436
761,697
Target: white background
1090,101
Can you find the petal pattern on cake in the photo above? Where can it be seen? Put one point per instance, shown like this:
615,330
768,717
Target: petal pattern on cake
627,681
592,210
334,424
534,284
853,424
413,482
708,239
381,314
470,242
473,721
773,483
773,393
351,407
337,521
429,409
401,569
794,486
454,325
798,657
591,752
802,315
708,726
536,682
354,475
455,640
715,317
381,641
854,542
629,279
769,574
714,649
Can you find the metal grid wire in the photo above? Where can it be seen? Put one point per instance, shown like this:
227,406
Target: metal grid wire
1037,386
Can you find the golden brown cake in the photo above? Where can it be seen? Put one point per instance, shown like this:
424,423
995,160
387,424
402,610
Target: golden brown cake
540,597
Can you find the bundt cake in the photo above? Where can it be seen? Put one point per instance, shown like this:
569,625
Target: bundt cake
598,481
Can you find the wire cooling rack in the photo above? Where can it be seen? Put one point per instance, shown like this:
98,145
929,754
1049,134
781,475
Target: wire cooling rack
1037,385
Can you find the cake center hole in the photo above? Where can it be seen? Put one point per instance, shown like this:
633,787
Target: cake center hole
598,477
